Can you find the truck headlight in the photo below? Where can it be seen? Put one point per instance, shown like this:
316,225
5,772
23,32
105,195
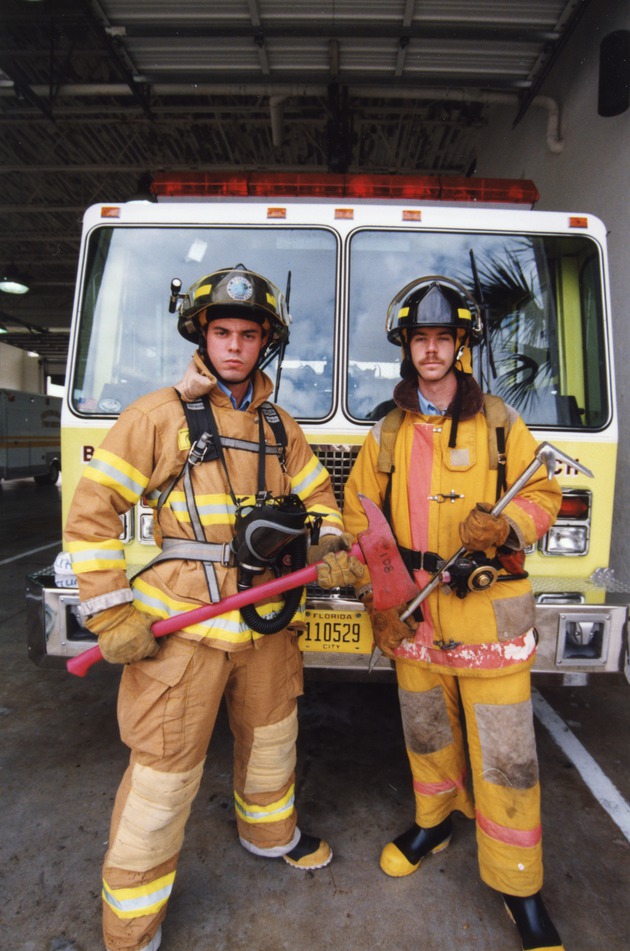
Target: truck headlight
566,540
571,533
145,528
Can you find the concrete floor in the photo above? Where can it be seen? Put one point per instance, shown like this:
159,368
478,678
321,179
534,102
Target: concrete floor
61,761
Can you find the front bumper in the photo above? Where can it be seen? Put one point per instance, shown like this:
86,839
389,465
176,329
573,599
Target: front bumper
580,632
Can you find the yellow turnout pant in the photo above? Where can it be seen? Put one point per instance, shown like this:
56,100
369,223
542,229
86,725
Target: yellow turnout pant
498,725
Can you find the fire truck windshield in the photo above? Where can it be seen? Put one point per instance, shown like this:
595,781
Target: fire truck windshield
128,342
544,351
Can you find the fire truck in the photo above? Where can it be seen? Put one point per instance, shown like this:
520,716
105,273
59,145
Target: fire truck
346,244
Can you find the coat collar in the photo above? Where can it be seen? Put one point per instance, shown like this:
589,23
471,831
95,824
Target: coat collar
406,396
263,386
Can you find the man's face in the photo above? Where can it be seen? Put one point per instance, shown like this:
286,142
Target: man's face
233,346
432,351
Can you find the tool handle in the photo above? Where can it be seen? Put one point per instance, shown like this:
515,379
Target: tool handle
80,664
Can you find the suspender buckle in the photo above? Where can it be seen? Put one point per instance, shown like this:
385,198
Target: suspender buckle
227,555
199,449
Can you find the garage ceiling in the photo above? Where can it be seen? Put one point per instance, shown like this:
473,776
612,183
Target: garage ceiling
96,95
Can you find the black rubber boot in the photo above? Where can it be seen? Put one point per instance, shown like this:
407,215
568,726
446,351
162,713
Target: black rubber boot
404,855
534,925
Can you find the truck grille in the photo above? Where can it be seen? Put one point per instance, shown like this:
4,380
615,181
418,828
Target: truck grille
339,461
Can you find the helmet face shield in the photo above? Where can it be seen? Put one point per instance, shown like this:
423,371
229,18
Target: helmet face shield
434,301
235,293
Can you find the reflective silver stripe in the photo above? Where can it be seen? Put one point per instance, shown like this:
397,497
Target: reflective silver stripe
117,477
308,480
98,554
160,896
228,443
103,601
189,550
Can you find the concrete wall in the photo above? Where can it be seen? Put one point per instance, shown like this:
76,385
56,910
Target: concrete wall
18,371
591,174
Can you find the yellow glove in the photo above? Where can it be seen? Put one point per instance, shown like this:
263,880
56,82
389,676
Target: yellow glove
481,530
124,634
388,630
339,569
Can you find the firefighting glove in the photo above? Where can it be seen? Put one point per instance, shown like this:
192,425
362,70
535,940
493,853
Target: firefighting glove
338,568
481,530
124,634
388,630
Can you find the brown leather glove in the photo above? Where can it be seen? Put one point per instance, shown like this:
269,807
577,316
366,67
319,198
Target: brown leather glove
388,630
339,569
124,634
481,530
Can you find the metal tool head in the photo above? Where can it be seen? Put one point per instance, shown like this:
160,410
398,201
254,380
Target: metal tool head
391,582
549,456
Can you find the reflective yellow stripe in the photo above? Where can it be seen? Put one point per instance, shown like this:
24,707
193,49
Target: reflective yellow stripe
113,472
308,478
99,564
97,556
229,627
274,812
201,290
142,900
331,516
214,508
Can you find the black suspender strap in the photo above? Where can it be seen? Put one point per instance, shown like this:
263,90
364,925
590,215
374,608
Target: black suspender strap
501,462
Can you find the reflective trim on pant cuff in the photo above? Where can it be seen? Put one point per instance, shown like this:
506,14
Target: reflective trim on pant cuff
274,852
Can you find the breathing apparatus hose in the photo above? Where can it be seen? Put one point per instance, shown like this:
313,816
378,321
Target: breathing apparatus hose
271,625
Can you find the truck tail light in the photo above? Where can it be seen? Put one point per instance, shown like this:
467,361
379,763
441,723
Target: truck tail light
570,535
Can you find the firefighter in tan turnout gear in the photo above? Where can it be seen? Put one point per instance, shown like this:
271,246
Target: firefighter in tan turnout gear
237,492
470,647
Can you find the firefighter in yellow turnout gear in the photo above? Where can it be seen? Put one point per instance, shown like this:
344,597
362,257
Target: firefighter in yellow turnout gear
472,645
261,486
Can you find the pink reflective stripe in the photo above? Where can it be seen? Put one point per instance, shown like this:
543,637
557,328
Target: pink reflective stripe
437,789
522,838
420,476
493,656
538,515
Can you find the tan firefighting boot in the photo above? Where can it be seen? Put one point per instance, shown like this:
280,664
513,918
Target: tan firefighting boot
404,855
534,925
310,853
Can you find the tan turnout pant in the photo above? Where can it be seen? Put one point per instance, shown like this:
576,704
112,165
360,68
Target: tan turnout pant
167,708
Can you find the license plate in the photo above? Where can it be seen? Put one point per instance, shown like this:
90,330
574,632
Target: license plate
345,632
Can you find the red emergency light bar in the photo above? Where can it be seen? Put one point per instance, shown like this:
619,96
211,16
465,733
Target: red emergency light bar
325,185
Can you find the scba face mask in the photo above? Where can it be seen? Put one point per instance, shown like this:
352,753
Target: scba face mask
271,534
263,531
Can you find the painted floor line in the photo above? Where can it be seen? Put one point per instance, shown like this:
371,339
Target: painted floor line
32,551
602,788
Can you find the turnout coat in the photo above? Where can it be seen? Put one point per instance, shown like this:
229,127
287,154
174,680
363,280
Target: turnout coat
434,486
143,452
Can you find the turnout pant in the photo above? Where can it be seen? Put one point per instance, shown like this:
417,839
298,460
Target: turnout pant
502,749
167,709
